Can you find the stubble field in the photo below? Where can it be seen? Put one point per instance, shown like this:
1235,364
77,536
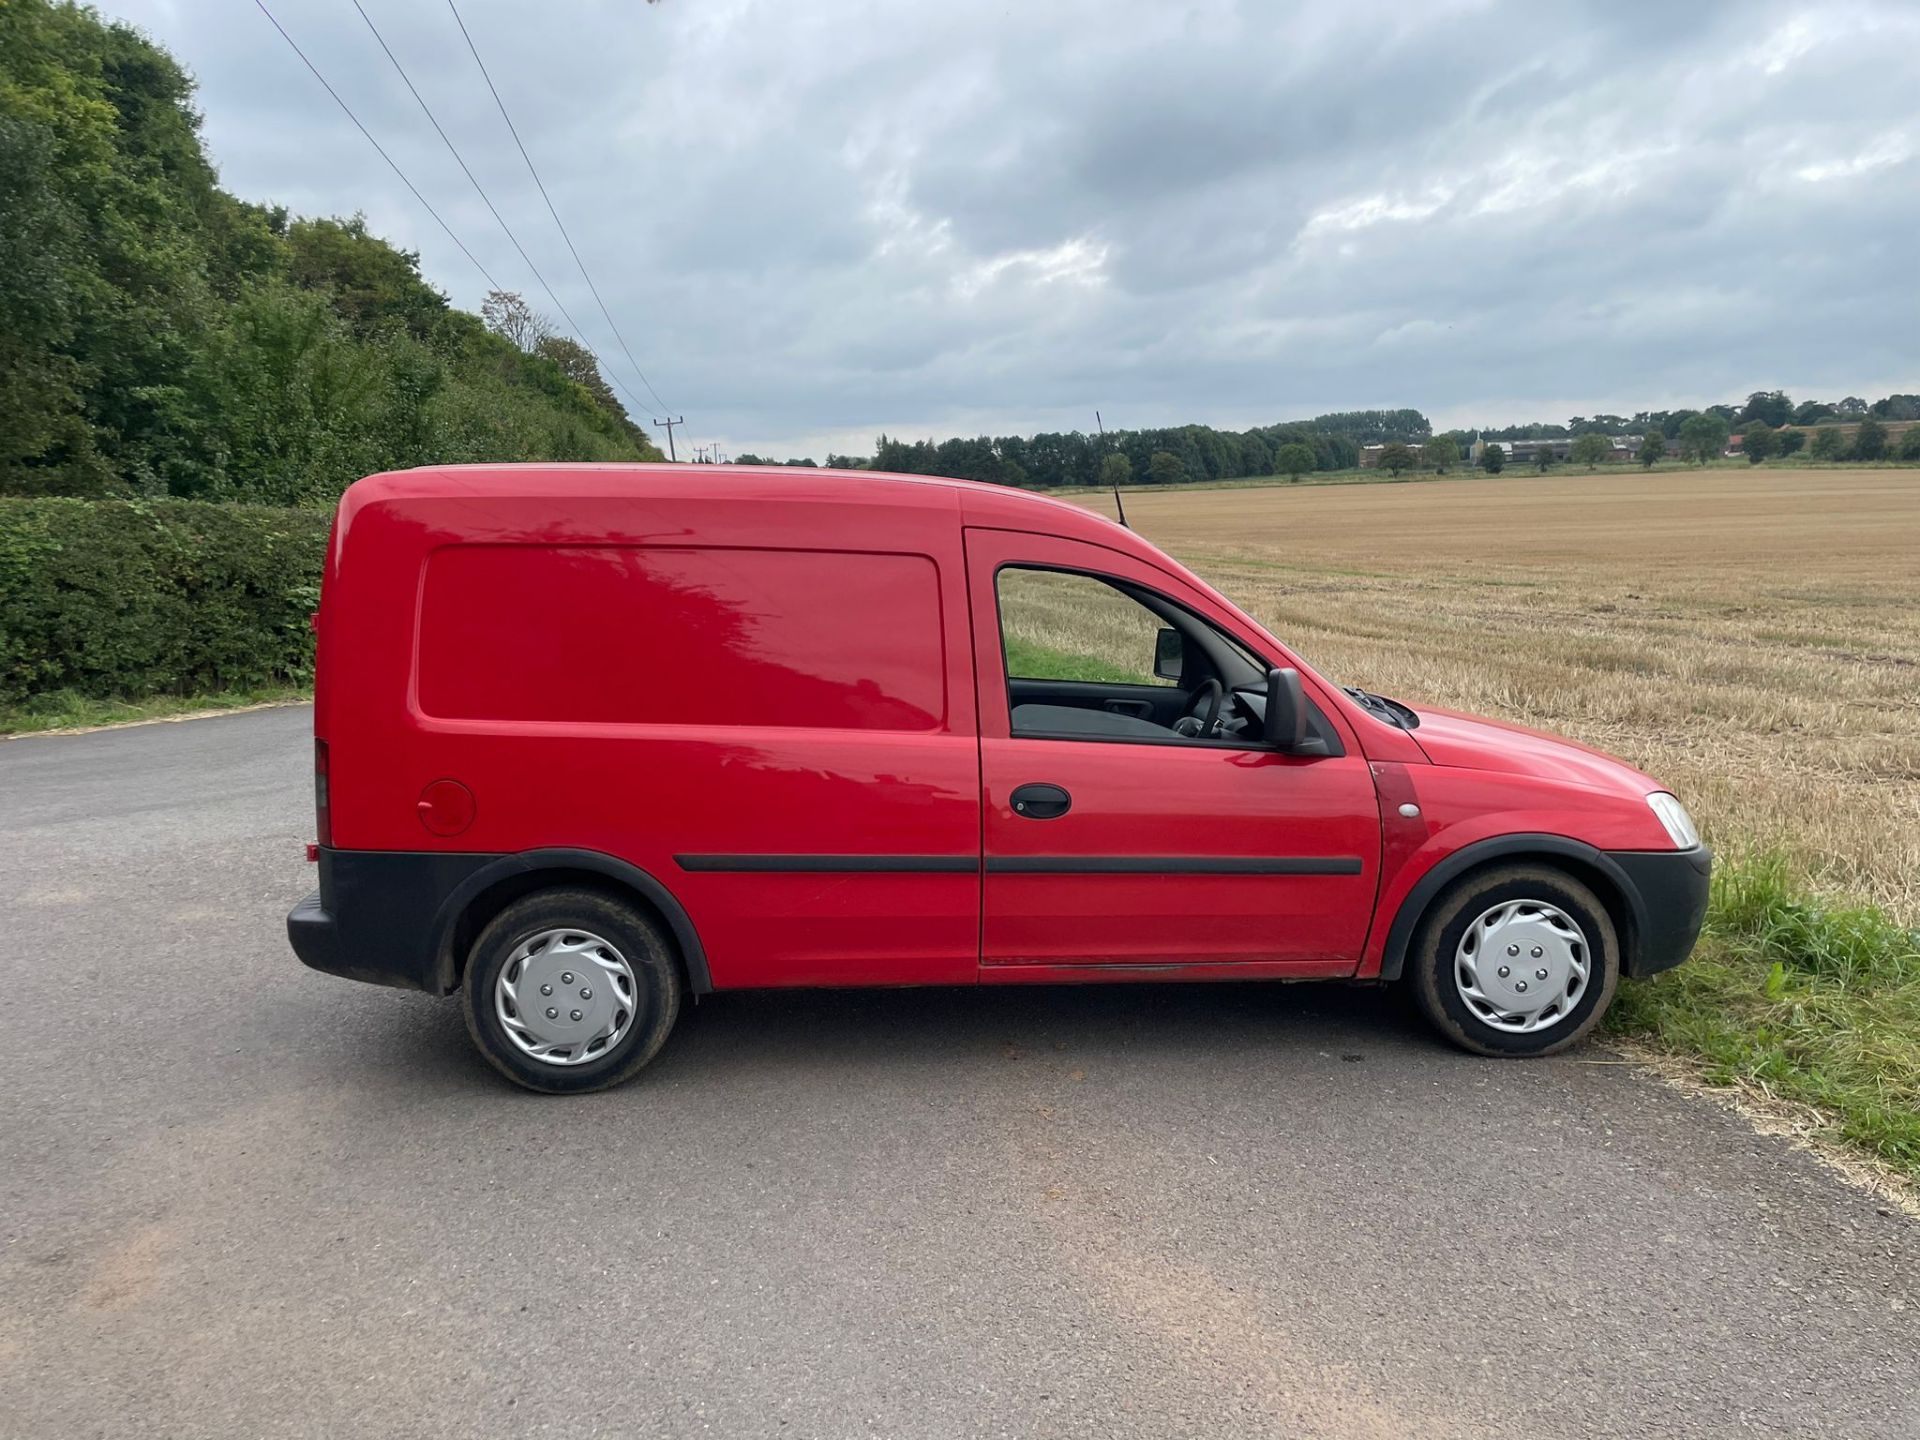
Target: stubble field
1751,639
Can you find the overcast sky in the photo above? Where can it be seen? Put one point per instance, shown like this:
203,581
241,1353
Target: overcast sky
816,221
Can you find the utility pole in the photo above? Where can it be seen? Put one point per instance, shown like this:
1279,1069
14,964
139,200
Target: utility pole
669,424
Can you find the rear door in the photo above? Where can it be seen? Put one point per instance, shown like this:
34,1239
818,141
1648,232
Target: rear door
1143,848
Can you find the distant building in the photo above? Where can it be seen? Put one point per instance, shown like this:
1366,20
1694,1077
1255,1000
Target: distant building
1527,452
1626,449
1370,454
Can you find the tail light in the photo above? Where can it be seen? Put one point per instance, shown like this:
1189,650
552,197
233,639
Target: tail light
322,806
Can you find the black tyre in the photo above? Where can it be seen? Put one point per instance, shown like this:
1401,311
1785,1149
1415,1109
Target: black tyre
569,990
1515,961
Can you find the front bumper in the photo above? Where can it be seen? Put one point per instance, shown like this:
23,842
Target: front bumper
1672,888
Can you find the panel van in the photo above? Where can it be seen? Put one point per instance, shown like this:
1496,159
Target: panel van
591,741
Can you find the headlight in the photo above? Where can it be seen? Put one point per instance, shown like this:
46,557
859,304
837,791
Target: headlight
1674,816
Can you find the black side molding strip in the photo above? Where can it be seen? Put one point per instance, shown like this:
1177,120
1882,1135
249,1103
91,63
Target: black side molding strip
831,864
1174,865
1023,864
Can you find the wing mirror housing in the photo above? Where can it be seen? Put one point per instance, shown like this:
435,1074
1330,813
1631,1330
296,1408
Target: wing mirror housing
1286,724
1169,654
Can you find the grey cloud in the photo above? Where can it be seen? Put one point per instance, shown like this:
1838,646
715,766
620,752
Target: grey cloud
816,222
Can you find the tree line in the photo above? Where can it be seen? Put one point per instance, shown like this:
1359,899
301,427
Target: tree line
1171,455
159,336
1774,408
1849,429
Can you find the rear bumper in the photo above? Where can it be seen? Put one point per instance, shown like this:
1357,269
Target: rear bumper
314,936
379,917
1671,887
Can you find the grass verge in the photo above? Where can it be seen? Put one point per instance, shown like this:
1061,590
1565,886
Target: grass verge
66,710
1801,997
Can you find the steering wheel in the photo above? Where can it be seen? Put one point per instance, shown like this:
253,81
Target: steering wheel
1191,724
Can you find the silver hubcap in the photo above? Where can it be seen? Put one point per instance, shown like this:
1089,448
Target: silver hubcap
1522,966
565,997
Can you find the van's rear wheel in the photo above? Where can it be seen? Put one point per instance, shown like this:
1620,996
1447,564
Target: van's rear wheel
570,990
1515,961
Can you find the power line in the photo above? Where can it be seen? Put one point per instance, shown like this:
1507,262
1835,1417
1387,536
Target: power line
480,190
491,282
533,171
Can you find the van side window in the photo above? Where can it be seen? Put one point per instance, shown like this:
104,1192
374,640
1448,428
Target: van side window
1060,626
1096,659
688,635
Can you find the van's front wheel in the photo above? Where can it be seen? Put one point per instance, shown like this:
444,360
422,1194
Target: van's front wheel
1515,961
570,990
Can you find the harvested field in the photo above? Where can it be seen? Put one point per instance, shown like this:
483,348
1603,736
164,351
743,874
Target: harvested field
1750,637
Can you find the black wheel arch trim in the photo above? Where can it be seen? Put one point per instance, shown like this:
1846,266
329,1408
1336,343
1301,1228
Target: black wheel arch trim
531,862
1516,847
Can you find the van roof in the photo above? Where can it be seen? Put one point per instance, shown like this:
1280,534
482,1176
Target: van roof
980,503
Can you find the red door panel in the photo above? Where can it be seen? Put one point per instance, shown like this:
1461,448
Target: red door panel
1192,856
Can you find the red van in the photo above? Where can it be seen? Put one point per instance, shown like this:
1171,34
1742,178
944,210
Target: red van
588,739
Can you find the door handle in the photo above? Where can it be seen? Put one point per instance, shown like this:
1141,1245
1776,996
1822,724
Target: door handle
1041,802
1141,708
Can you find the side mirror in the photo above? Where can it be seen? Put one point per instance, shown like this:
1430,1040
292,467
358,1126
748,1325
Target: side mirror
1169,654
1286,727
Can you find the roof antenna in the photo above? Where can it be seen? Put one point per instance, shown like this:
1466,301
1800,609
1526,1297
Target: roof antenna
1116,489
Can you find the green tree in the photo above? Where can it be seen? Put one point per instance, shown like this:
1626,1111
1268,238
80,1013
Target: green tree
1772,407
1790,440
1294,460
1870,441
578,364
46,445
1703,438
1544,459
1116,469
1910,443
1827,443
1375,427
1759,442
1494,458
1165,468
1442,452
374,287
1653,445
159,336
1396,458
1591,450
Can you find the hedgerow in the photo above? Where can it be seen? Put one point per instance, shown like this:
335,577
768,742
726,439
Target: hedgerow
106,598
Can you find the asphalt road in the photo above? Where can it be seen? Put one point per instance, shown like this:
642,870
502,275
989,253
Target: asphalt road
240,1198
